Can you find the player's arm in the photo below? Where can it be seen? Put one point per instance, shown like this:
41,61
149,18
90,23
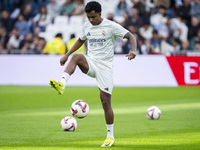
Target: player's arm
132,39
75,47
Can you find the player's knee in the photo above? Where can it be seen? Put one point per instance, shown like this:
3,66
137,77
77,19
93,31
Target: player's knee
105,100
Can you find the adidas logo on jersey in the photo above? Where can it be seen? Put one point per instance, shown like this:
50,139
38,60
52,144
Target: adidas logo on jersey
88,34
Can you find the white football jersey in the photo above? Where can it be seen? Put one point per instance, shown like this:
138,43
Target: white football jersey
101,39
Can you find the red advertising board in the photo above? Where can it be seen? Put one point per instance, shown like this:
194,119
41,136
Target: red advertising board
186,69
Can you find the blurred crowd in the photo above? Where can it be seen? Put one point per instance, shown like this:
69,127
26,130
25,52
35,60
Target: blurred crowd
160,26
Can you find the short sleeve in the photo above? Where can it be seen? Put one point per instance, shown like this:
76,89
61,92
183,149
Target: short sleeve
82,35
118,30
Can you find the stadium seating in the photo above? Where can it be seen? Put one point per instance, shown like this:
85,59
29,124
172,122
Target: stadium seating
68,25
61,20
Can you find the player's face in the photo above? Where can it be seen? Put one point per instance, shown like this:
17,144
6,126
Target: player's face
94,18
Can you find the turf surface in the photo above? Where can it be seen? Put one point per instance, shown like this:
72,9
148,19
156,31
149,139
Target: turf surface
30,119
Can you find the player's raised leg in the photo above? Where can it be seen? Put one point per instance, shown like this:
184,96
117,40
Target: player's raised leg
76,60
109,116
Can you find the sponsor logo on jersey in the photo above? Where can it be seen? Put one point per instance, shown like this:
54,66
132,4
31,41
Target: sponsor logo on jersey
96,42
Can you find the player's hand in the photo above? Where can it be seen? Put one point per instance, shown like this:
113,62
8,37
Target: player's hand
63,60
131,55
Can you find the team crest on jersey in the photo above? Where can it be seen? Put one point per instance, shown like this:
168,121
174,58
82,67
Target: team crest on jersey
103,33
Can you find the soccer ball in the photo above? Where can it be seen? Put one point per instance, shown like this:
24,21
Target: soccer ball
68,123
79,109
153,112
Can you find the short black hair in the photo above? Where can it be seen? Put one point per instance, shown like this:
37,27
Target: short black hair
155,32
59,35
72,36
93,5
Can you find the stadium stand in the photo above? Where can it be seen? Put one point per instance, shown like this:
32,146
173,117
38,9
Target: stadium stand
173,29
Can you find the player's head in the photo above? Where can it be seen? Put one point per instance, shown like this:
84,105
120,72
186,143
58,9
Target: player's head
93,11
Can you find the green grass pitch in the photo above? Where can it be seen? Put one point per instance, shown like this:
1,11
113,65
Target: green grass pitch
30,118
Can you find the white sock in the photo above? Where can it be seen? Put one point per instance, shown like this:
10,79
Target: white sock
65,78
110,131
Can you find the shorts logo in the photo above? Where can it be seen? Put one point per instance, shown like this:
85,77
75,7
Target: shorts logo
103,33
88,34
106,89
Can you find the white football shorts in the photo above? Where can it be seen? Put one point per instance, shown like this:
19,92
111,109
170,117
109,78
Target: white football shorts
103,75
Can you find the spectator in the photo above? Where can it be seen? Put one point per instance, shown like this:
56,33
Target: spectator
195,9
67,8
56,46
193,28
167,48
110,17
79,8
26,12
134,20
141,45
22,25
36,31
126,17
179,29
6,22
140,5
14,40
35,7
197,45
71,42
42,19
176,44
165,30
146,31
126,46
53,9
121,8
173,6
158,19
150,5
195,40
3,39
177,3
185,45
26,43
40,46
184,11
34,44
155,43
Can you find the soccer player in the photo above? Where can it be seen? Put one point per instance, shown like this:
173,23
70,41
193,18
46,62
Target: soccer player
101,35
